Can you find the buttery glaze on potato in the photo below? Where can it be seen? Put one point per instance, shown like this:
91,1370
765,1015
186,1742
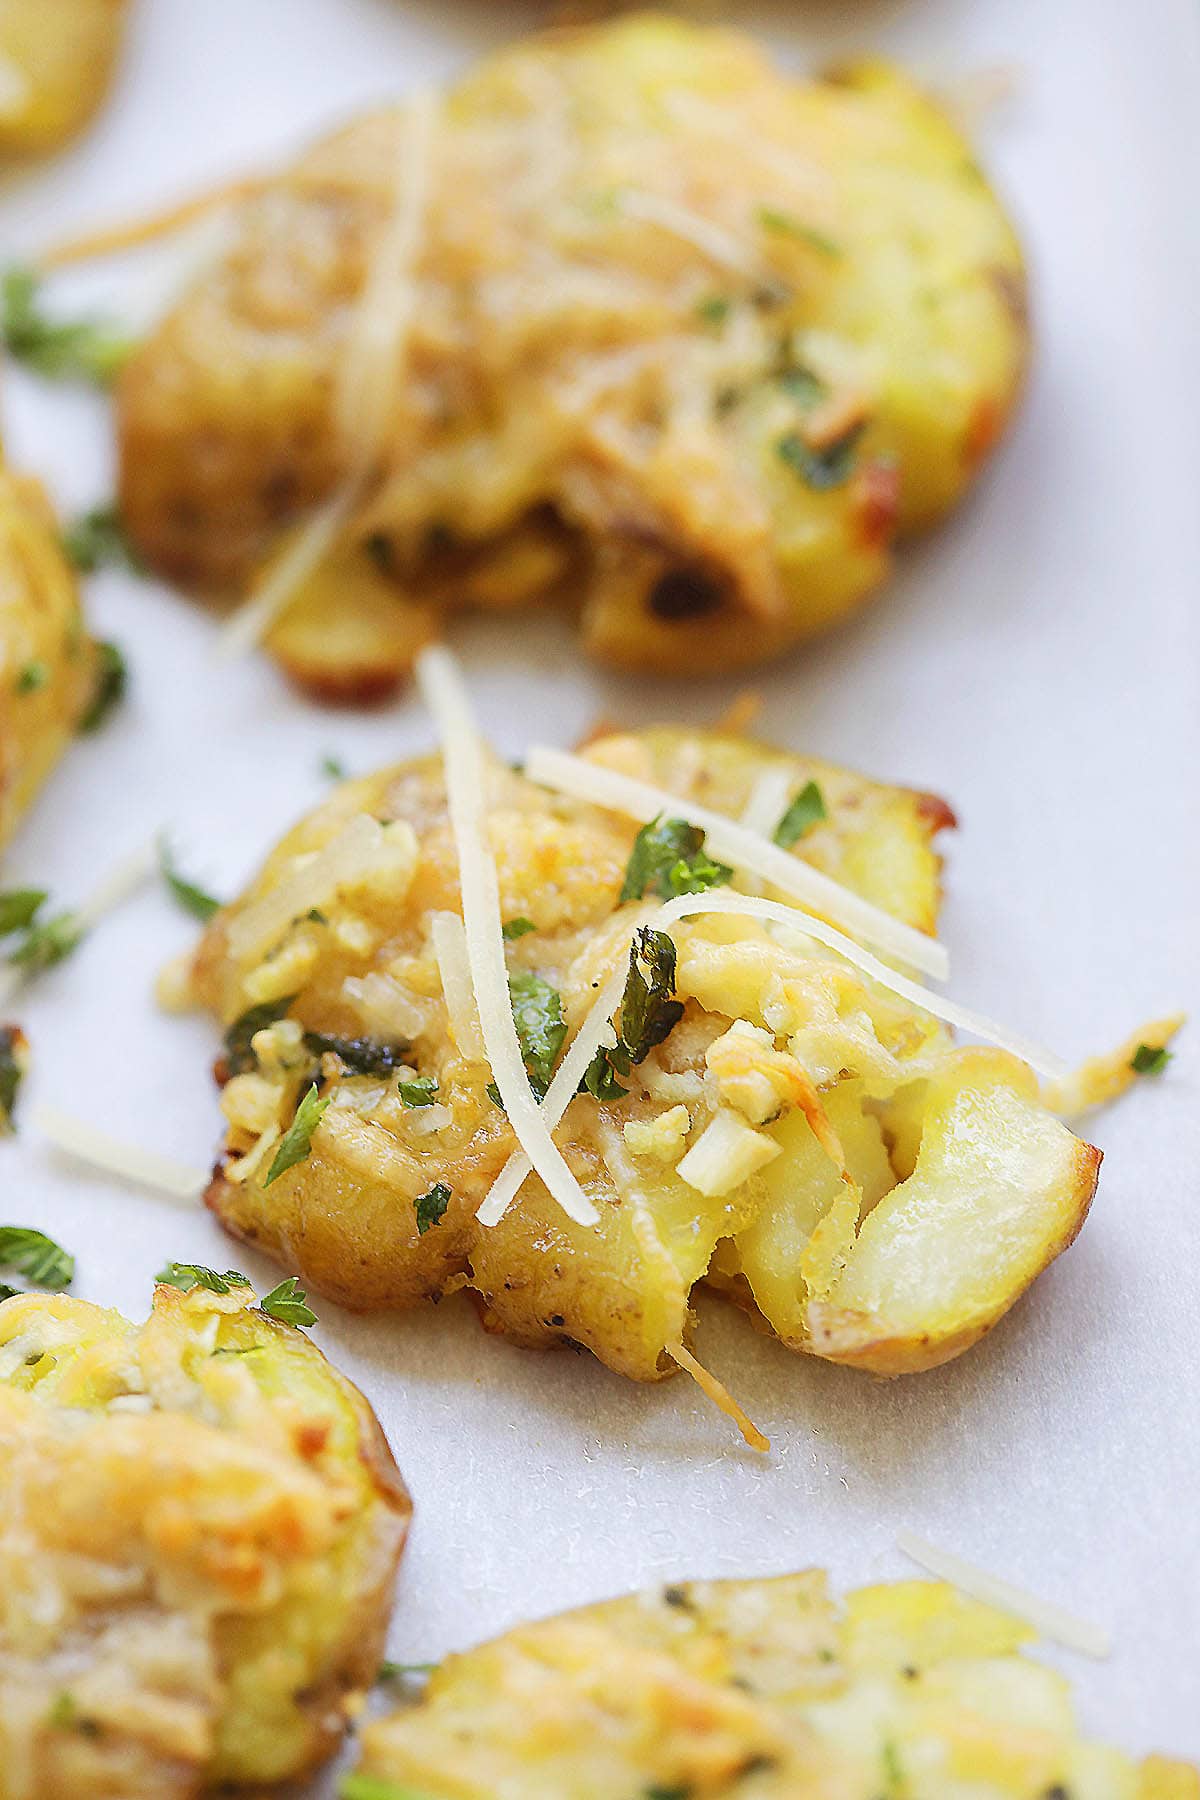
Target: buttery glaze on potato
756,1690
692,342
199,1527
48,666
960,1185
56,61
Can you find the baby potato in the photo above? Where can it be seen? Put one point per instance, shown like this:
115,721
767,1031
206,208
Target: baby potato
760,1688
200,1522
794,1134
56,62
680,341
49,670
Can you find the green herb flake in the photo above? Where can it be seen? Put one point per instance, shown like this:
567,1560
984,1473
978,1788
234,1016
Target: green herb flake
1150,1059
372,1787
239,1038
112,684
422,1090
493,1094
648,1012
186,1276
517,928
193,899
784,224
288,1304
541,1028
714,310
14,1059
32,677
45,944
362,1056
669,858
802,386
97,540
821,470
893,1768
430,1208
657,1792
19,907
296,1142
401,1671
333,768
80,350
32,1254
600,1076
806,810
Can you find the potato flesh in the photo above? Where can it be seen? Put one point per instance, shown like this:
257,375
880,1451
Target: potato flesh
47,662
782,1242
55,66
576,421
199,1525
761,1688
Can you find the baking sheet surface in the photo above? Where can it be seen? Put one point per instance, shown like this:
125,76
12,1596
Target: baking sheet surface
1036,663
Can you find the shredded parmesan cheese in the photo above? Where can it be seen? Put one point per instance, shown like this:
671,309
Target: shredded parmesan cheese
720,1396
1050,1621
129,1161
117,886
745,849
768,801
443,692
348,859
454,967
712,240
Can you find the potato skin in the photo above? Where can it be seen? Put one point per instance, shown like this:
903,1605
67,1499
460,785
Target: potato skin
48,667
243,1518
707,451
760,1687
61,58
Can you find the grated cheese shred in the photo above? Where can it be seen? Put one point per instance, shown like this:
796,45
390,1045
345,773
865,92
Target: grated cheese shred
75,1137
1048,1620
719,1394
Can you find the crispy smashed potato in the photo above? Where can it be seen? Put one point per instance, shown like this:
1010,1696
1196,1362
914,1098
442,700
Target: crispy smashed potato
800,1137
756,1689
48,666
56,61
199,1527
690,343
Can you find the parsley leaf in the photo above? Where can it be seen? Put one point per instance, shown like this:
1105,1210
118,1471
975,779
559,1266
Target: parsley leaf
97,540
33,676
36,1256
239,1052
648,1013
600,1076
14,1055
422,1090
784,224
47,943
193,899
669,858
802,385
397,1671
830,467
493,1094
430,1208
541,1028
1150,1059
713,310
806,810
333,767
373,1787
112,682
362,1056
296,1142
186,1276
517,928
19,907
287,1303
85,350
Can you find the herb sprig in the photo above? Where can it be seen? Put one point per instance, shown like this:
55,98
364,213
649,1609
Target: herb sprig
669,858
89,350
192,898
295,1145
32,1254
806,810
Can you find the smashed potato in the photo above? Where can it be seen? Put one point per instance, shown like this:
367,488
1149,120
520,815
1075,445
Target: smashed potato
56,61
48,667
199,1527
687,343
755,1689
785,1128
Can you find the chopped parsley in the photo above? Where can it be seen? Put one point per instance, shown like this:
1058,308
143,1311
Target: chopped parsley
600,1076
648,1012
186,1276
374,1787
1150,1059
541,1028
287,1303
112,683
296,1142
713,310
82,350
14,1056
42,945
97,540
32,1254
784,224
430,1208
19,908
193,899
32,677
362,1056
806,810
517,928
398,1671
657,1792
493,1094
422,1090
333,767
829,467
239,1038
669,858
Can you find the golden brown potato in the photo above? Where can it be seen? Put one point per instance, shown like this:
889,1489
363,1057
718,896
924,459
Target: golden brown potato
48,666
56,61
800,1137
689,342
754,1689
199,1527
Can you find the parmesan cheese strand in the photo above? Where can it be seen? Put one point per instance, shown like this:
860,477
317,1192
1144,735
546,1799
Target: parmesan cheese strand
713,241
1050,1621
719,1394
725,838
442,689
368,379
596,1024
114,1157
131,873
